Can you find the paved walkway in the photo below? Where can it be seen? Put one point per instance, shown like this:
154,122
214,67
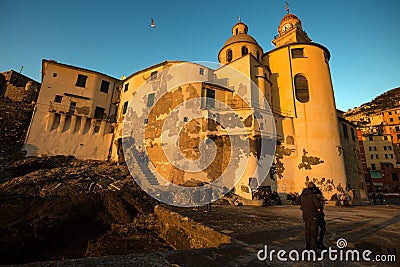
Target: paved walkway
279,227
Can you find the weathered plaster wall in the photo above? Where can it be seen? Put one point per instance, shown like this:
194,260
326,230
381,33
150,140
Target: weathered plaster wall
309,150
59,129
54,133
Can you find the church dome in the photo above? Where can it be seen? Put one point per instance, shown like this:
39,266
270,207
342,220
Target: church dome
241,37
289,16
239,45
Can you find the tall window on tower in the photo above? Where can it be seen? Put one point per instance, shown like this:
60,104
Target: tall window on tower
245,50
229,55
301,88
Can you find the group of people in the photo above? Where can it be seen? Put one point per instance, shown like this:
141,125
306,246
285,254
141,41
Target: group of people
380,197
312,206
203,196
293,197
267,196
345,199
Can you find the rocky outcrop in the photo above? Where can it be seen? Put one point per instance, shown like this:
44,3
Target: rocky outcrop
14,122
60,207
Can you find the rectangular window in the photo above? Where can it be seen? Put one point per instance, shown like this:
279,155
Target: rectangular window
387,148
388,156
58,98
345,133
385,137
395,177
201,71
99,113
326,57
81,81
372,148
373,166
397,128
353,135
153,75
370,138
210,97
145,121
126,87
398,136
297,52
104,86
72,107
150,100
390,113
125,107
391,119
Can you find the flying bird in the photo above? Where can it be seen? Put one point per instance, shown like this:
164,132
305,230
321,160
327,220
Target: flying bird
152,23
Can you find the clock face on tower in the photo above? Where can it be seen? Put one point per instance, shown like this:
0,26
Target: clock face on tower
286,27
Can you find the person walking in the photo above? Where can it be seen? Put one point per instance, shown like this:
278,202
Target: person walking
373,198
196,197
311,206
208,198
321,220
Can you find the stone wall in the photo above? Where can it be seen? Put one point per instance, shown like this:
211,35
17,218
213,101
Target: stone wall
18,87
181,232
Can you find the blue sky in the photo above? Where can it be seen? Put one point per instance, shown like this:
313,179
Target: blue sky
114,37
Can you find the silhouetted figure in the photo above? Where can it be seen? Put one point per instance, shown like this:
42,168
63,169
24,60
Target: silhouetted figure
295,198
196,198
351,197
208,198
335,198
381,198
311,206
276,198
373,197
321,220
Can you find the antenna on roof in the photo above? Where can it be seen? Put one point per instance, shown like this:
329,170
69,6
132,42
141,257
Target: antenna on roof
20,71
239,19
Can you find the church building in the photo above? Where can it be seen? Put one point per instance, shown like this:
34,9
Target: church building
81,113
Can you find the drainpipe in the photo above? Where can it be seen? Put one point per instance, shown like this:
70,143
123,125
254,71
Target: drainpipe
291,77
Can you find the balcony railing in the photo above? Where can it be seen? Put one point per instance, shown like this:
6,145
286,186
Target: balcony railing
71,110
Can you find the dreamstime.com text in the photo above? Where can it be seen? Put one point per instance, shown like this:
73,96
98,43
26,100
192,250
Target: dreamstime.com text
333,254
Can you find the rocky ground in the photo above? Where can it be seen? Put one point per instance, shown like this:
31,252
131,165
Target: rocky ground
14,122
60,207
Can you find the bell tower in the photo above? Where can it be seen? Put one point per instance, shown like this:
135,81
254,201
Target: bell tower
290,31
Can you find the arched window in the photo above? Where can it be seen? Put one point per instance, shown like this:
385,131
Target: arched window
301,88
258,55
245,51
237,31
229,55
